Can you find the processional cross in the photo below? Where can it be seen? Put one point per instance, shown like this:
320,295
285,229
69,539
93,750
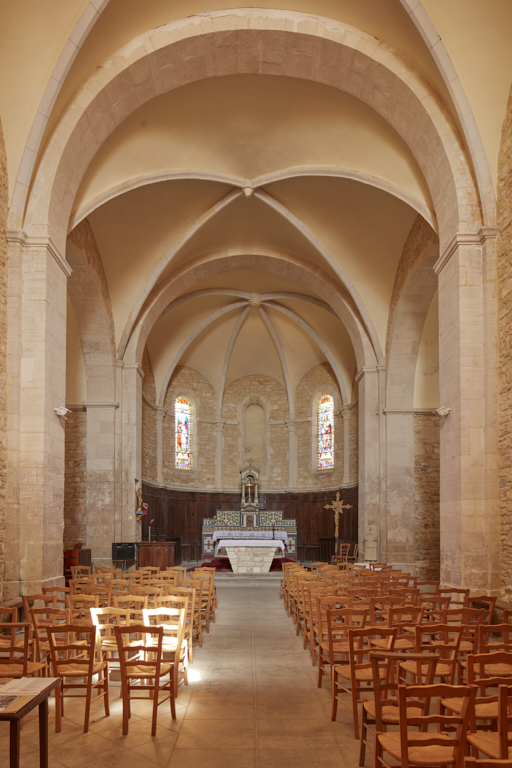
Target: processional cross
337,507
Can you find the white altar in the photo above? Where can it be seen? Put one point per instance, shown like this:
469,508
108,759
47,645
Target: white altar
251,555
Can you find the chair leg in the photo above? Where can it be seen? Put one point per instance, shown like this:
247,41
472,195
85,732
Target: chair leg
364,736
105,688
171,688
334,687
87,705
155,707
355,712
320,667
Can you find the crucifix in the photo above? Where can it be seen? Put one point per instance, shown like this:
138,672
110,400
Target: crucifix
337,507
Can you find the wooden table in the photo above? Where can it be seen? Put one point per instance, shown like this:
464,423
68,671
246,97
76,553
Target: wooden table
159,554
38,699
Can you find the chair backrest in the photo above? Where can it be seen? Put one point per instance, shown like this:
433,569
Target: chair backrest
458,597
105,619
134,604
43,618
434,606
77,645
80,606
103,592
171,619
38,601
80,570
441,638
409,696
60,594
15,652
487,641
9,614
380,606
405,616
487,603
385,686
142,655
488,668
80,584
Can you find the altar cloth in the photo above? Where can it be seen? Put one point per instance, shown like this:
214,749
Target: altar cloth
279,535
269,543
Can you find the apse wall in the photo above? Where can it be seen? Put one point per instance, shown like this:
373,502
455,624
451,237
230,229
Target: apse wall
271,396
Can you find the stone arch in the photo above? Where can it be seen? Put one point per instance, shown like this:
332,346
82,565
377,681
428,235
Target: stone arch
265,260
331,52
88,292
256,399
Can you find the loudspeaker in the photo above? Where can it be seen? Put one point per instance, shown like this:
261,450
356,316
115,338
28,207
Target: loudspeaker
123,551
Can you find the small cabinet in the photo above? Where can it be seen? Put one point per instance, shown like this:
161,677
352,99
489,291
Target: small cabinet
159,554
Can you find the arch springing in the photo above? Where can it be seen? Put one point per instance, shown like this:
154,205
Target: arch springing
325,432
183,433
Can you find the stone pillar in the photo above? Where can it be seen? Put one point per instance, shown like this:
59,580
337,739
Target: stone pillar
36,385
130,450
369,457
160,415
100,494
470,521
400,512
219,428
292,454
345,412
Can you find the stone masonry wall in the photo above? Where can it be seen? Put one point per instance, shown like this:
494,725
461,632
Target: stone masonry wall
426,495
504,259
75,479
188,382
316,381
3,343
272,396
149,456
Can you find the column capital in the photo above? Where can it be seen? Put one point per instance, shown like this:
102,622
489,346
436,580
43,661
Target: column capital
290,423
20,238
160,413
130,367
366,369
465,238
345,412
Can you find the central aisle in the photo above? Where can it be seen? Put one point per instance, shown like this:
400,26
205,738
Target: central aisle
257,703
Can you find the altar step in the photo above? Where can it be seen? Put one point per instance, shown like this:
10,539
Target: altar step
226,579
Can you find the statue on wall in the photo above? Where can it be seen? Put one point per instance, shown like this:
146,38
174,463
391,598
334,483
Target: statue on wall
371,538
138,498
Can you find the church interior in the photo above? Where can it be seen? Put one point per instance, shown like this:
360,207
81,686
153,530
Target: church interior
255,285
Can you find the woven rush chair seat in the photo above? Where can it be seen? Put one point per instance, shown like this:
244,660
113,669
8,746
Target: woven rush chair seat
16,670
146,672
486,742
361,675
390,713
482,711
401,644
341,647
425,756
77,670
441,669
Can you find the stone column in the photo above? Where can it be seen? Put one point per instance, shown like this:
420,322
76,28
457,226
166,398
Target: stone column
160,415
219,428
100,494
36,385
400,518
369,457
292,454
345,413
130,450
468,446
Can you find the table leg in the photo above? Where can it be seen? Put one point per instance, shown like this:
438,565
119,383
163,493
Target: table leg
14,746
43,734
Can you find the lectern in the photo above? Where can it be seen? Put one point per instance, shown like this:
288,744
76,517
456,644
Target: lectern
159,554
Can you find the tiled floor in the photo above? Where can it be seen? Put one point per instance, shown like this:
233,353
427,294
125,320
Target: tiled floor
254,704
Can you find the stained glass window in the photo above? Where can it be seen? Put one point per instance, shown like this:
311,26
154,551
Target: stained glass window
326,432
182,433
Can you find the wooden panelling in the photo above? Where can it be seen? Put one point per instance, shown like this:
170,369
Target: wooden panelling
180,514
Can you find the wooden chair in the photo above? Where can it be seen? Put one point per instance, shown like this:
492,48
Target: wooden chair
405,618
472,762
341,554
105,620
207,568
39,601
42,618
459,598
74,660
143,661
487,603
338,623
77,571
15,659
193,618
103,592
428,586
488,642
423,748
10,616
172,619
382,710
496,745
358,670
353,557
80,585
434,607
60,595
135,604
427,641
207,604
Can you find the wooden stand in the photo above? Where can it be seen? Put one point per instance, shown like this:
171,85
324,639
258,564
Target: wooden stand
159,554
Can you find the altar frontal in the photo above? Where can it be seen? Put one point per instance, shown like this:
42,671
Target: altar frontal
251,537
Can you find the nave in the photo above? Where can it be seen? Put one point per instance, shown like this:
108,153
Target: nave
252,701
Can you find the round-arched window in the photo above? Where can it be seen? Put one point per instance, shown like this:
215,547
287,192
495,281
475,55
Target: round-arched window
325,432
183,433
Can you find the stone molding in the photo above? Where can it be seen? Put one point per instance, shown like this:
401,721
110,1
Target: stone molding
28,243
472,238
101,405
